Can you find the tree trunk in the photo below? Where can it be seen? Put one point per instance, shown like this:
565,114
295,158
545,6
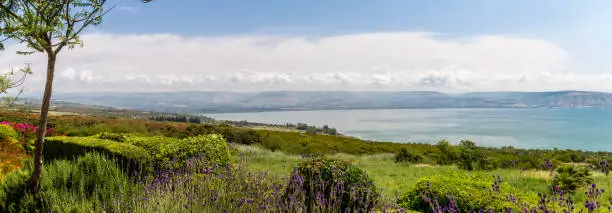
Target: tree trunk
42,125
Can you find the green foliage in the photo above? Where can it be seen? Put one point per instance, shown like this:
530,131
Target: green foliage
406,156
118,137
12,191
81,185
249,137
471,157
448,154
172,153
441,153
10,80
272,143
569,178
7,133
471,193
311,130
325,176
132,158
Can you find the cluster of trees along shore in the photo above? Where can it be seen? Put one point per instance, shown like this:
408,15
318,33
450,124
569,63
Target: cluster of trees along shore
309,129
177,118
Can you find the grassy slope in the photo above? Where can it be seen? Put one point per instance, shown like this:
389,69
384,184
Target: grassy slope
395,179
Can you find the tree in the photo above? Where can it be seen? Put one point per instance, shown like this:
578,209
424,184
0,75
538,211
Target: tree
12,80
570,178
470,156
311,130
47,27
448,154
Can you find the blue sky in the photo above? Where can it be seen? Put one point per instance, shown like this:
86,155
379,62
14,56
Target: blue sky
547,42
469,17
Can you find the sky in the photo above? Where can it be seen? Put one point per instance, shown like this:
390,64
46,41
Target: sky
382,45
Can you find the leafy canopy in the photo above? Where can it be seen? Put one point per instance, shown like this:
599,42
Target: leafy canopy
48,26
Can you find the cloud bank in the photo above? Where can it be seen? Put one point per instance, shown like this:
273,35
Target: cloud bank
369,61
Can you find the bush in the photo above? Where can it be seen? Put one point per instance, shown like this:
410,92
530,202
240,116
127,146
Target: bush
405,156
343,186
239,135
12,191
133,158
118,137
471,157
447,155
68,186
570,178
173,153
7,132
470,193
272,143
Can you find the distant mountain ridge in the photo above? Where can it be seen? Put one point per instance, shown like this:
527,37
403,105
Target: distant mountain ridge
210,102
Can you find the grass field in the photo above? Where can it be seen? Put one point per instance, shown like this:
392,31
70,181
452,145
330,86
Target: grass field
397,178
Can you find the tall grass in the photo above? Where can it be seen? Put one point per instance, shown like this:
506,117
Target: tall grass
93,183
256,181
395,179
89,182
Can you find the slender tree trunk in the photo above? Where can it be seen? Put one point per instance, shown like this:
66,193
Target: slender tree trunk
42,125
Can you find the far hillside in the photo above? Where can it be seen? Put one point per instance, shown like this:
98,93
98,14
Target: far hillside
210,102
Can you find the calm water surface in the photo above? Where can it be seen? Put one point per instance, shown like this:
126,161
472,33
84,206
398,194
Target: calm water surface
586,129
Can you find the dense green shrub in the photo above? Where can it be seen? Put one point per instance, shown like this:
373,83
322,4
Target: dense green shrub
7,132
471,157
239,135
569,178
406,156
132,158
172,153
272,143
12,191
471,193
81,185
447,155
333,180
118,137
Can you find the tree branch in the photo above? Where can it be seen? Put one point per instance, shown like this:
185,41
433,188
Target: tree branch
10,12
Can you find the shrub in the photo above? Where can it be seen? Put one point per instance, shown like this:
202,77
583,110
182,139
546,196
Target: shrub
471,157
272,143
7,132
239,135
569,178
249,137
470,193
132,158
118,137
12,156
405,156
335,183
447,155
172,153
68,186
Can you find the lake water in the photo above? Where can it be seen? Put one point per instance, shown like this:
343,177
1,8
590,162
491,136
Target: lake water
585,129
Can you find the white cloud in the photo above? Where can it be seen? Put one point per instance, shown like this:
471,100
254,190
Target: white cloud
370,61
